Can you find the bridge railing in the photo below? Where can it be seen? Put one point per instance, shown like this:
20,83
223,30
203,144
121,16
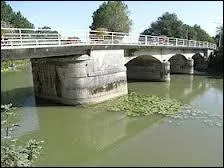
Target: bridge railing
25,38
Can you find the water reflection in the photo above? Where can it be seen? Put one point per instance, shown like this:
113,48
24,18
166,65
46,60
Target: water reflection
181,87
77,136
85,133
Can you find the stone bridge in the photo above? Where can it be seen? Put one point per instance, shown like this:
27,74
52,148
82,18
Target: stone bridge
84,73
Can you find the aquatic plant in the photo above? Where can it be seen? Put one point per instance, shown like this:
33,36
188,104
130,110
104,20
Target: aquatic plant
12,65
12,154
135,104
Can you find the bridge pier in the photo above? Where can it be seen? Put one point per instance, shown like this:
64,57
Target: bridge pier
190,66
165,71
80,79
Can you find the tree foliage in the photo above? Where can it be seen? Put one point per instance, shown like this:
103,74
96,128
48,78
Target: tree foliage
169,25
15,19
216,60
46,29
219,36
112,15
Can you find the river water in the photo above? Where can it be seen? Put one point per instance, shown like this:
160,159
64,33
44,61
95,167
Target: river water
77,136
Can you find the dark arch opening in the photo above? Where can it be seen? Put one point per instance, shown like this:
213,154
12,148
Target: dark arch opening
178,63
144,68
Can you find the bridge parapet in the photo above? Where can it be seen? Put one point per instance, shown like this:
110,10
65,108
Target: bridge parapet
13,38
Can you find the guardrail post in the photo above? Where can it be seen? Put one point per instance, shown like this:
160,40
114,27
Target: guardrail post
20,37
59,40
145,39
112,38
176,41
87,37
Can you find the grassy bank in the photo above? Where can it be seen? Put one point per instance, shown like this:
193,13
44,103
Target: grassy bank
13,65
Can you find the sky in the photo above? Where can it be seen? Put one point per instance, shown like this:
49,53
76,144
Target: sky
68,16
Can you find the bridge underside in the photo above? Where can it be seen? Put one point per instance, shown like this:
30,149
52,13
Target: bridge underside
180,65
100,75
148,68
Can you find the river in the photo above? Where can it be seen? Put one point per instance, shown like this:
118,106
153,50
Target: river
77,136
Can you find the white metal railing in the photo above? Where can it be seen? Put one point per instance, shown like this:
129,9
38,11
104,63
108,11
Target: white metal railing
33,38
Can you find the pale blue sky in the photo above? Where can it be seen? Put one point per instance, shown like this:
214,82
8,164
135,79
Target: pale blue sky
65,16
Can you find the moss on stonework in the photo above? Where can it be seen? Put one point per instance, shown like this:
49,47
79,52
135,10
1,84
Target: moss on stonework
107,87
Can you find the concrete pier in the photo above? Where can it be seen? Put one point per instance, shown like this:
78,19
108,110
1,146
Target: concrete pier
81,79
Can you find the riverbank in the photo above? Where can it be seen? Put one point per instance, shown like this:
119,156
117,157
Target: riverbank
209,72
14,65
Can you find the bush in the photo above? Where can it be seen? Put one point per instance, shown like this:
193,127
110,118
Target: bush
13,155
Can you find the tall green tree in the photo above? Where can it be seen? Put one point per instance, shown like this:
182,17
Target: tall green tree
6,12
112,15
169,25
201,34
13,18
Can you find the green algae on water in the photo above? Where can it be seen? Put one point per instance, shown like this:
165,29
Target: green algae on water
135,104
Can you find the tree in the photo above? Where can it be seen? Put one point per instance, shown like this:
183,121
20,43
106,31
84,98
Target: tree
219,36
216,60
13,18
6,12
168,24
46,27
112,15
201,34
46,33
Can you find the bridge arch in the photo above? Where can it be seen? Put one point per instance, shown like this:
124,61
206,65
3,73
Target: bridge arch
200,63
141,56
179,63
147,67
174,56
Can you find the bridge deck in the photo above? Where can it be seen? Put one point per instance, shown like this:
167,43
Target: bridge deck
36,43
69,50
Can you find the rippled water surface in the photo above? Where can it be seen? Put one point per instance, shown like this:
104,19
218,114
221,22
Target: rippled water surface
76,136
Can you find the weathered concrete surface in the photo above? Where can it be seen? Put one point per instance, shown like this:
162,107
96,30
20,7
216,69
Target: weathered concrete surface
161,54
180,65
148,68
70,50
81,79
